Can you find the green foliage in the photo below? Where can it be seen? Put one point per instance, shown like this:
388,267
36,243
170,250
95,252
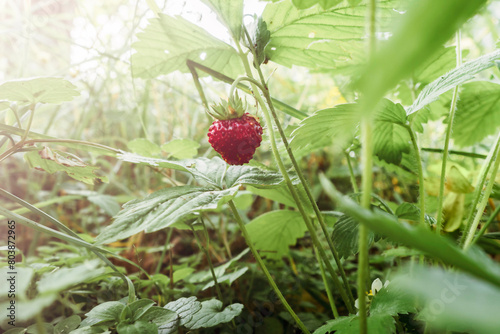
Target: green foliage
275,231
451,79
390,137
167,42
164,208
181,148
229,13
319,38
39,90
53,161
260,37
379,324
477,113
447,298
425,27
194,314
345,236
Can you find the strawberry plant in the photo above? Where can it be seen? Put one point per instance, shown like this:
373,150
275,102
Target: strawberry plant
319,167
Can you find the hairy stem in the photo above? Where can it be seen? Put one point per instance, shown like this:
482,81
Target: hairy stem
347,300
264,268
421,188
469,234
453,108
307,189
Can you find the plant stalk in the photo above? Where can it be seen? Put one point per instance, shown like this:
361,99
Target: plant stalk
348,301
479,212
264,268
453,108
421,187
307,189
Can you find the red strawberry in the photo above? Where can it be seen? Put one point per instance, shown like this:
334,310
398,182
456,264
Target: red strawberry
234,134
236,139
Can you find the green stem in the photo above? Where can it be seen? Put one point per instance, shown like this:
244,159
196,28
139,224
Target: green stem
281,105
461,153
421,188
366,189
485,226
164,251
479,212
453,108
351,173
483,175
347,300
350,301
264,268
327,287
207,254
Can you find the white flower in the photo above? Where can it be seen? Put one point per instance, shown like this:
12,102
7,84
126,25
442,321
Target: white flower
375,288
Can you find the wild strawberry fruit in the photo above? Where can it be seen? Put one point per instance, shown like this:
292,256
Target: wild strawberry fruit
235,135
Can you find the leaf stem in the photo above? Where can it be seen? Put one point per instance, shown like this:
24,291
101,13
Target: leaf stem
421,187
347,300
207,254
264,268
453,108
495,150
485,225
366,187
351,173
469,233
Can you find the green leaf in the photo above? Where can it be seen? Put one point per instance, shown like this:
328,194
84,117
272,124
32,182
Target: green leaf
254,176
227,278
345,236
108,311
304,4
162,209
377,324
281,195
30,307
418,237
23,280
39,90
464,73
478,113
185,308
273,232
144,147
453,211
211,314
181,148
456,181
229,13
66,325
390,138
425,27
160,316
64,278
139,307
105,202
137,327
317,38
410,211
443,61
339,123
392,300
167,42
260,38
41,328
53,161
448,297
